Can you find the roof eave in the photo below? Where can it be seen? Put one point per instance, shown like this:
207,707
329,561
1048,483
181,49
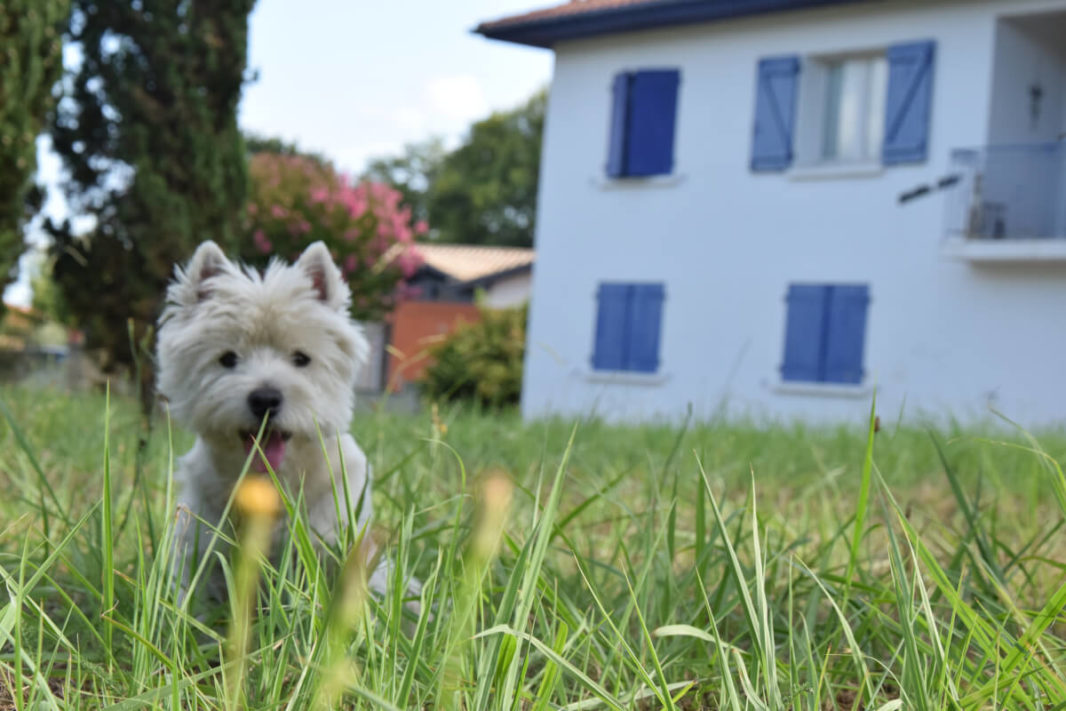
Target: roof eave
545,32
454,281
489,279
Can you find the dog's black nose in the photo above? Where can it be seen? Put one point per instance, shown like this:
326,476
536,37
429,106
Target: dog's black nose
265,401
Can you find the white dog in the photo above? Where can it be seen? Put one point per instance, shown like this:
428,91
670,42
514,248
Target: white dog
237,348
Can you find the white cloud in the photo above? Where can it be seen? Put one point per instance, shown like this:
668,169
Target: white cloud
458,97
410,120
444,107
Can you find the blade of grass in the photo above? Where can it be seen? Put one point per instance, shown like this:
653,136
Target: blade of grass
106,534
864,495
521,587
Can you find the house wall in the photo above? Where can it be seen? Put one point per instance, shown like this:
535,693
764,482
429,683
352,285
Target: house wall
943,338
371,378
509,292
417,326
1027,53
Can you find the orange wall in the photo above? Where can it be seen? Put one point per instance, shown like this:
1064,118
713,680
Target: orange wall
416,327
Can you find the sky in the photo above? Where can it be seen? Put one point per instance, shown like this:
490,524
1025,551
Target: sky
356,80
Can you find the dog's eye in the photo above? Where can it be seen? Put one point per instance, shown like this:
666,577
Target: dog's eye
228,360
301,359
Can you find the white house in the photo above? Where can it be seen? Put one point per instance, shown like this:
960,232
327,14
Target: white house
768,208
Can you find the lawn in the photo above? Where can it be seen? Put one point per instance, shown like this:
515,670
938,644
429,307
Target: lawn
720,566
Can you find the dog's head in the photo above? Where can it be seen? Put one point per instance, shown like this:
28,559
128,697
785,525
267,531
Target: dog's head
237,347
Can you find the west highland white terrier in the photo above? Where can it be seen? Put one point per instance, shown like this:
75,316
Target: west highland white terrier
236,348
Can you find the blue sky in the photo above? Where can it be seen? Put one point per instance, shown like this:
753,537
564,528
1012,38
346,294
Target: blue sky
359,79
356,80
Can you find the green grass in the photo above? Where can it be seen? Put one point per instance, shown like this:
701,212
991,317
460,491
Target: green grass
721,566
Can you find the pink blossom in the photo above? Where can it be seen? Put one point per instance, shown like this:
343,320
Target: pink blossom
355,201
261,242
277,211
421,227
409,261
299,227
351,262
379,244
319,195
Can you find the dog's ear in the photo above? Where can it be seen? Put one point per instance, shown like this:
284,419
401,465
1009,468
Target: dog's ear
326,279
206,262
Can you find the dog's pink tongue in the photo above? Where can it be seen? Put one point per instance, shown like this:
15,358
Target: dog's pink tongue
273,449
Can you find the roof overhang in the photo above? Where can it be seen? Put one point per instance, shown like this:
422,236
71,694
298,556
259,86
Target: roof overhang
545,30
484,280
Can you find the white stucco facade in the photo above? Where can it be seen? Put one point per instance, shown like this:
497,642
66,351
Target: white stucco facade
947,335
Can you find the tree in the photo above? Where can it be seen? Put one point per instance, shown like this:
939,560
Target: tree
412,173
31,48
485,191
147,128
256,145
298,199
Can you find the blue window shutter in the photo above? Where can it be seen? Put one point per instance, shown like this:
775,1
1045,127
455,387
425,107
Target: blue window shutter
805,333
652,115
775,113
616,148
645,324
612,327
846,333
909,103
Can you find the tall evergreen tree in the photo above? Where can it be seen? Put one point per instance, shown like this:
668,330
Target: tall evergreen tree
147,127
31,60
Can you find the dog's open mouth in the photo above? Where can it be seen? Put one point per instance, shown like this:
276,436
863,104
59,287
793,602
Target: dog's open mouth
272,444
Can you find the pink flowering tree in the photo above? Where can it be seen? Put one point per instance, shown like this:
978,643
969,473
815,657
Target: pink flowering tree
296,200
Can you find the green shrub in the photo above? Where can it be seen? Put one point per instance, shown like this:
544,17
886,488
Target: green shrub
480,361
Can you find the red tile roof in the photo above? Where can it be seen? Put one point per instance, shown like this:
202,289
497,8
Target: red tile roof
468,262
465,262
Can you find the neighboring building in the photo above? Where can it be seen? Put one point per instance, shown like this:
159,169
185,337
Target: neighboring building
37,351
720,220
459,272
445,287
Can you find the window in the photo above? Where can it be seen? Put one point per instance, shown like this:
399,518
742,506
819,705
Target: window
824,333
853,112
862,108
643,114
628,321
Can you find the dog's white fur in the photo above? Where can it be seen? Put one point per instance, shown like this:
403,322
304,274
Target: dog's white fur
215,307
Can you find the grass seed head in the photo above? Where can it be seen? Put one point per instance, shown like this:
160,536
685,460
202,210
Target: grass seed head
257,498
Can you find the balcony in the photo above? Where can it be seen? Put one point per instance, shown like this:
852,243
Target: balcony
1008,203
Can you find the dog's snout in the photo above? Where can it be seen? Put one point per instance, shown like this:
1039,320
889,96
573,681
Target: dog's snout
265,401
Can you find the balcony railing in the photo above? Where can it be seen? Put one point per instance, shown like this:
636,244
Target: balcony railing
1015,192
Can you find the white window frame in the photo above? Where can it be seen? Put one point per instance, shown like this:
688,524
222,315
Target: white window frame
810,138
